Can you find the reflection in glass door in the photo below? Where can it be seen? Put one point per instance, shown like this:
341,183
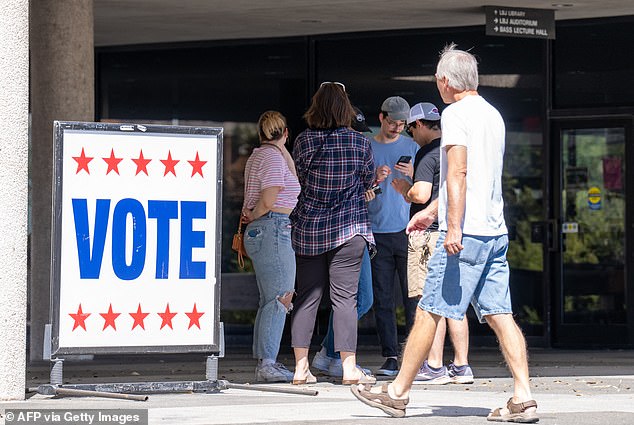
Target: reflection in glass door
592,226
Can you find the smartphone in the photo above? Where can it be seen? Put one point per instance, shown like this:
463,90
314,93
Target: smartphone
404,158
376,189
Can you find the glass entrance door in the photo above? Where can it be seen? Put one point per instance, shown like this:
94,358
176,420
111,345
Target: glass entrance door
589,240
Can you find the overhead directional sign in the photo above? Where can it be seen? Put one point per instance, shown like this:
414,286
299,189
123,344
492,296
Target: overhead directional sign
520,22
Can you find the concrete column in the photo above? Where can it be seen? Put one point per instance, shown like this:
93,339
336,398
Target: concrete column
14,180
62,88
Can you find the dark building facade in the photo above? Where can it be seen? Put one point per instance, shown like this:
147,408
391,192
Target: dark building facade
568,107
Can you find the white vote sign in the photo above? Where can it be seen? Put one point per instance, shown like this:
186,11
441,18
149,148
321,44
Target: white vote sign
135,231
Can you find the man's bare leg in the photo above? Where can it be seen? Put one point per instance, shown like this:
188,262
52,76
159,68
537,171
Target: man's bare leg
416,350
435,358
459,335
513,346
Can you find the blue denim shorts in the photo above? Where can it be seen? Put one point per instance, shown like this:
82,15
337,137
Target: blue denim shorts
479,274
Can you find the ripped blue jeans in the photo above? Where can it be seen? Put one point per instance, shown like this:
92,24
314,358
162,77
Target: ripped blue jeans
268,243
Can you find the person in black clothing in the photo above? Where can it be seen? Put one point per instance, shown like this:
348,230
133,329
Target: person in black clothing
423,125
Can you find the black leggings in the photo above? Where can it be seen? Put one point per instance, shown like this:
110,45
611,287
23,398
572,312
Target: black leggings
340,269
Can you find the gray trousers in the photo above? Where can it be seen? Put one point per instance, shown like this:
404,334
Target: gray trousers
338,268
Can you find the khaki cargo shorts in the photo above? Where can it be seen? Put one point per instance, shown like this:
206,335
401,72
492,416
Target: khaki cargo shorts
419,249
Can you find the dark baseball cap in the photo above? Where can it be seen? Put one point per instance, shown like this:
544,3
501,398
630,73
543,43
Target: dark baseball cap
358,122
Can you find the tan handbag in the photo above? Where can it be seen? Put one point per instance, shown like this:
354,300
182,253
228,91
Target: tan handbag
238,244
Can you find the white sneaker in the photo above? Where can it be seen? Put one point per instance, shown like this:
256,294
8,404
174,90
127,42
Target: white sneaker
275,372
331,366
336,369
322,362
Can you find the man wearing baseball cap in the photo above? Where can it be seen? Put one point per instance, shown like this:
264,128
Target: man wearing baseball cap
423,125
389,214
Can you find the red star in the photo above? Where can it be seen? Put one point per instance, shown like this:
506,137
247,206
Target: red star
138,317
194,318
82,162
141,163
113,163
197,166
109,318
167,317
169,164
79,318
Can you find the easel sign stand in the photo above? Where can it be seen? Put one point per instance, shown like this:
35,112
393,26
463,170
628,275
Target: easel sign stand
136,242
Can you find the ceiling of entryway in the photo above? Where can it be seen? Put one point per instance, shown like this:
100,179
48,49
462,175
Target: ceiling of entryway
124,22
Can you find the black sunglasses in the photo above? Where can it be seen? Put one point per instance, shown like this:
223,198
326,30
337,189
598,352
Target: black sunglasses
409,127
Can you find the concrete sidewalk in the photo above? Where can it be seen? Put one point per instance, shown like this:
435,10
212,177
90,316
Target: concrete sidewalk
571,388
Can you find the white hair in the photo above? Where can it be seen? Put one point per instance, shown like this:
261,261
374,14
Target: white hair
459,67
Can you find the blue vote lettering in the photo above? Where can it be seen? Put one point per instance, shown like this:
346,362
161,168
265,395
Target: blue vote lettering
163,212
191,239
90,262
124,208
90,256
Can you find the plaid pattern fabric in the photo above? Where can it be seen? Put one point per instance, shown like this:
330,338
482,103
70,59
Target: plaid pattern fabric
331,208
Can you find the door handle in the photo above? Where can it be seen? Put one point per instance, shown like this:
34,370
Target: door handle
553,235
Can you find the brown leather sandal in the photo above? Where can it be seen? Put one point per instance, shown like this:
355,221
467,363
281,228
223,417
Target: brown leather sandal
517,412
392,406
310,379
364,379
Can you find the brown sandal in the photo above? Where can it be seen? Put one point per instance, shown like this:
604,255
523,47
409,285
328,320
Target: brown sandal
310,379
364,379
391,406
517,412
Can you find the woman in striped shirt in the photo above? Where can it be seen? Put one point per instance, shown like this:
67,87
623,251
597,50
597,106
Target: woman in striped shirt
270,194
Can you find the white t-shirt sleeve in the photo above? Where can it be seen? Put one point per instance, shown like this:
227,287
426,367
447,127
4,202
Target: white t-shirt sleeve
454,129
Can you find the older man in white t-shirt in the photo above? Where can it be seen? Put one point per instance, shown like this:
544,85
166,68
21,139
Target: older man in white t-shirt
470,266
